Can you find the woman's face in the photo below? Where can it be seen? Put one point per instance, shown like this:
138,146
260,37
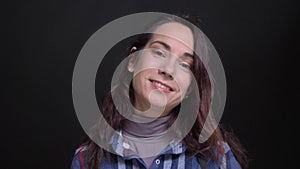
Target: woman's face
162,69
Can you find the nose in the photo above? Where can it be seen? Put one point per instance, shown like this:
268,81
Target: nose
168,69
165,74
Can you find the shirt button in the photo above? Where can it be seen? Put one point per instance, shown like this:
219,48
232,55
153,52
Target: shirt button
126,146
157,161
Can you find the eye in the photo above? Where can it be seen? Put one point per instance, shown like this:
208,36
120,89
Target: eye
158,52
185,65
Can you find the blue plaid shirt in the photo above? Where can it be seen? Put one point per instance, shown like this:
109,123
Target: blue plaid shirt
174,157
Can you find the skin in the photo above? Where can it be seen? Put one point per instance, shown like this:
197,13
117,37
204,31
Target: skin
165,60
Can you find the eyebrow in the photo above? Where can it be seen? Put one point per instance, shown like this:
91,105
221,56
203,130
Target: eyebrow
168,47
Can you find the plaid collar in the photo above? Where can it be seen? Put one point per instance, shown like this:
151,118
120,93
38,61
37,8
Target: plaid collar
121,148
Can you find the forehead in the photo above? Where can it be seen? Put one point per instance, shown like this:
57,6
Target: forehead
177,31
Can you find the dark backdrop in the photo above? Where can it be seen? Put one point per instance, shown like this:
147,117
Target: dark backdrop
256,40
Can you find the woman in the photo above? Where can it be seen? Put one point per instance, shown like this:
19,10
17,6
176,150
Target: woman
165,81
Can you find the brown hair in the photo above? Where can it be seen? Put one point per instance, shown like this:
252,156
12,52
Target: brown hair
208,149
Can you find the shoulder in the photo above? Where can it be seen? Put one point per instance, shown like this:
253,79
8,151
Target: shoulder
81,149
109,160
228,161
78,160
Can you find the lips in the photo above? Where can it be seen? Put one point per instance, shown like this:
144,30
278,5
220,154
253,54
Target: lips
161,86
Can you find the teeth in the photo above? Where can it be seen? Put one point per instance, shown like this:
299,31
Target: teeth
161,85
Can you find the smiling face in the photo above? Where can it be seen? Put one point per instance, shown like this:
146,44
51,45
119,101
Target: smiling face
162,69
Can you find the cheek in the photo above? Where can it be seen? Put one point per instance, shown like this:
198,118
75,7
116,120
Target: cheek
139,80
184,83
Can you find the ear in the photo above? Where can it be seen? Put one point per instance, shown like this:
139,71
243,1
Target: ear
133,49
132,60
130,65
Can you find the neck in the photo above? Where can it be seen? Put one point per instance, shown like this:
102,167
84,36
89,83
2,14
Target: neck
145,127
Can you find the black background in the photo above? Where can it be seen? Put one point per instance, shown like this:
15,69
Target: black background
256,40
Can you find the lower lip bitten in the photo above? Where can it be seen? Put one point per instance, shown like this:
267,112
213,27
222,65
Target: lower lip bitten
158,88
